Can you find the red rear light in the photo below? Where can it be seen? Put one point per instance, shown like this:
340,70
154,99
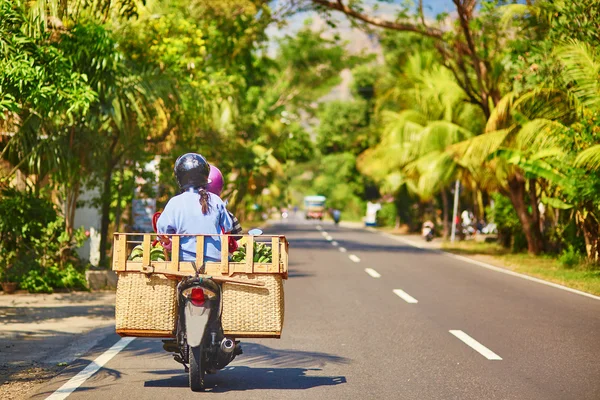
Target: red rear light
197,297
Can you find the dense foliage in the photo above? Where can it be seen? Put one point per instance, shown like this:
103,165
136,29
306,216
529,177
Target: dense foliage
501,96
504,98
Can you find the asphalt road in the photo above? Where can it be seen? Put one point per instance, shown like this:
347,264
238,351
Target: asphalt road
416,325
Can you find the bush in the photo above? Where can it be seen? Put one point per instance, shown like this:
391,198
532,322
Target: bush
387,215
569,257
510,232
35,249
23,217
45,280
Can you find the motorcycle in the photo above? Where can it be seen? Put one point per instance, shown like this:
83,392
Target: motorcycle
336,214
200,344
427,232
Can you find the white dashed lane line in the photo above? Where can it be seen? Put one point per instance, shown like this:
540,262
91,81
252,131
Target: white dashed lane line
475,345
328,238
335,243
319,228
324,233
405,296
372,272
343,249
354,258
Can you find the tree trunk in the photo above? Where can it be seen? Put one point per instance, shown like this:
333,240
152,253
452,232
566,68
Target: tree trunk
105,221
119,209
445,213
591,234
531,228
71,196
480,205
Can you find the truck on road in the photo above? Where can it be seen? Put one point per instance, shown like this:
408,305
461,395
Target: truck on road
314,207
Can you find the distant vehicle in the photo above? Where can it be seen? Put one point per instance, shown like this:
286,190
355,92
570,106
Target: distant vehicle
314,206
428,231
336,214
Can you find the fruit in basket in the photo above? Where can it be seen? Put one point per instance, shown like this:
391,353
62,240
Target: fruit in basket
156,253
262,254
136,253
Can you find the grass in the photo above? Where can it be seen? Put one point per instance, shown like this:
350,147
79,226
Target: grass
583,276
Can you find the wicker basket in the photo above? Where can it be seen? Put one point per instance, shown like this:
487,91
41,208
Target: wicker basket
253,311
146,305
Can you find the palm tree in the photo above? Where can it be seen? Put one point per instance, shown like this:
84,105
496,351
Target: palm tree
581,76
414,140
514,160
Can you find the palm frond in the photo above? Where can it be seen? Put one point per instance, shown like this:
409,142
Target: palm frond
538,168
581,72
510,12
438,135
589,158
546,103
500,116
540,134
473,152
431,173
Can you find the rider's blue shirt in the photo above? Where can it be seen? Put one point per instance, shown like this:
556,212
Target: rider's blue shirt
183,214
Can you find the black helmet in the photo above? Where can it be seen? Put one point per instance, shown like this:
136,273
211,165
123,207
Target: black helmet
191,171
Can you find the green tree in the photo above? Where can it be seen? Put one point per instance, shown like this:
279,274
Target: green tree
343,127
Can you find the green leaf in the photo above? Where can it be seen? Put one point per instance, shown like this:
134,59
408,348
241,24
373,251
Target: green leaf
555,203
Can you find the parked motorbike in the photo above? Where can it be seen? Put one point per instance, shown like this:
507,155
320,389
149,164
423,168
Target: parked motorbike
200,344
427,232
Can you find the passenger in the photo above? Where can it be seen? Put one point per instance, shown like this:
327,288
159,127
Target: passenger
195,210
215,185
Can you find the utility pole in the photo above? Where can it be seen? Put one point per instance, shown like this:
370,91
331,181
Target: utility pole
454,211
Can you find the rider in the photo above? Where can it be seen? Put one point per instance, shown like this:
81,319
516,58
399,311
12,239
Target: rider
428,228
336,214
195,210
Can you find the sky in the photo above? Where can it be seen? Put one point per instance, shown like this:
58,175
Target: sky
359,38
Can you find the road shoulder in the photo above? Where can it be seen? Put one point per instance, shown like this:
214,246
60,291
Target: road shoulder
41,334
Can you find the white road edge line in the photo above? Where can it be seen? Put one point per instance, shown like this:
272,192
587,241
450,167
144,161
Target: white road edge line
372,272
405,296
475,345
492,267
354,258
65,390
335,243
343,249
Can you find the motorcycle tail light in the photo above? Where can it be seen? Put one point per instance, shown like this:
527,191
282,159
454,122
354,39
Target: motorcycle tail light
197,297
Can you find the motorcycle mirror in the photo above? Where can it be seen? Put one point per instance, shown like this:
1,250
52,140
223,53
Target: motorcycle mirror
255,232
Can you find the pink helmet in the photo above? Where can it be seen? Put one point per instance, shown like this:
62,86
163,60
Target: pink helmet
215,181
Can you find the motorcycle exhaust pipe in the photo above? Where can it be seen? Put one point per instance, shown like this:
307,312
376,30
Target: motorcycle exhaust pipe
227,345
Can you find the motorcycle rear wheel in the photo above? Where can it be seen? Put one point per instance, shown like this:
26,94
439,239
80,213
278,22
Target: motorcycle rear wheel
196,368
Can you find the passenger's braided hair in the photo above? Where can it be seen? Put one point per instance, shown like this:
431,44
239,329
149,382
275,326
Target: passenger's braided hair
204,200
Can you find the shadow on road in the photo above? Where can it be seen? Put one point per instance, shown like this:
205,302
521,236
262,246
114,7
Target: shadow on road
270,369
14,315
104,377
282,229
295,273
255,353
248,378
